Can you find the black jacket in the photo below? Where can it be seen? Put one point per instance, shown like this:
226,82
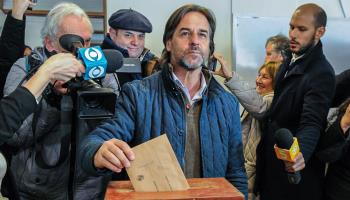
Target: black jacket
336,150
11,46
13,110
301,102
342,91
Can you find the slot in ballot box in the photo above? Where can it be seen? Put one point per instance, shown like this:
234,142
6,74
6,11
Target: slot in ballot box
200,188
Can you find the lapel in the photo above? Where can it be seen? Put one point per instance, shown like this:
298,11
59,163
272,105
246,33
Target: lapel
300,66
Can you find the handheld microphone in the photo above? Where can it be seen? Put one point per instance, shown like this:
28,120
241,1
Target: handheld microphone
72,43
115,60
94,60
287,148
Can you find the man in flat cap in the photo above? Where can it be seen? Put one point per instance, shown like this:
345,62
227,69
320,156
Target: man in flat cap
127,35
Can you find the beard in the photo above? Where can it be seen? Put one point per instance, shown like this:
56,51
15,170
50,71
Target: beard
306,47
191,63
183,62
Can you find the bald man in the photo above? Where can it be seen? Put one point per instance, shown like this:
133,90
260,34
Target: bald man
304,89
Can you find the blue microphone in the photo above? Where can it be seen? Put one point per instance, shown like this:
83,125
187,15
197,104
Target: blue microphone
95,62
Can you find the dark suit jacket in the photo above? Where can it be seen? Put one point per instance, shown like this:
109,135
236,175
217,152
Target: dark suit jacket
301,102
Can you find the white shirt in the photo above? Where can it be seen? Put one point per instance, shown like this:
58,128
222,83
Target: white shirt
199,93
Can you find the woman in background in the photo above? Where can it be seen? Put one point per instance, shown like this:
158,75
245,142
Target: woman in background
256,99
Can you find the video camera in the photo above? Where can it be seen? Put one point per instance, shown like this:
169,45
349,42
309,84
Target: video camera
93,101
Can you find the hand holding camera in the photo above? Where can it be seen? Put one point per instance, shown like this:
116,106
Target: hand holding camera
62,67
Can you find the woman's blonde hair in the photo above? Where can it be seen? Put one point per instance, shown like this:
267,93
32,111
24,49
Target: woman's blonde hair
271,69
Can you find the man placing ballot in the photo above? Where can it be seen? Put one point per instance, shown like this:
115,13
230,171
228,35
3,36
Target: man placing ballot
184,101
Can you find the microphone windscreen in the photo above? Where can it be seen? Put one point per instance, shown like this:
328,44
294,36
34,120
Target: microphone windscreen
114,60
283,138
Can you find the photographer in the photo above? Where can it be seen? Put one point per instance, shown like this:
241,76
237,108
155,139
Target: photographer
13,110
41,135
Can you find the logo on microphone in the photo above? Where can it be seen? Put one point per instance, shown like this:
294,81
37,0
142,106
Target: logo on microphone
95,62
93,54
96,72
288,154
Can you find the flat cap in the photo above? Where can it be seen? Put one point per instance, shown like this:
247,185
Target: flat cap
129,19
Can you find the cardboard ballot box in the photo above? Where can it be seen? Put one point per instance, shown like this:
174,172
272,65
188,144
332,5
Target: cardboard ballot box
200,188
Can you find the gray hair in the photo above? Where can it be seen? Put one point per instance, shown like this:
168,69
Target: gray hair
54,18
280,44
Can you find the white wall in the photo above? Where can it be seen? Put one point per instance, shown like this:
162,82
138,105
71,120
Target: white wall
283,8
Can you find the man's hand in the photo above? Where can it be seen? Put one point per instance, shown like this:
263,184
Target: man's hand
59,88
114,155
19,7
297,165
61,67
224,70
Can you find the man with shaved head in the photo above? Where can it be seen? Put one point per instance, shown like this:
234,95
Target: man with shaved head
303,92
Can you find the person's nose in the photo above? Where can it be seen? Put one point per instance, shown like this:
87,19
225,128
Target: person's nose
134,40
194,39
258,78
292,33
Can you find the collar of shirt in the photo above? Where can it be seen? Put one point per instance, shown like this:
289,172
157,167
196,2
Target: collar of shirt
295,57
199,93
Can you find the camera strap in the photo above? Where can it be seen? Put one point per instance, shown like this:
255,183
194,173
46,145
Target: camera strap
65,126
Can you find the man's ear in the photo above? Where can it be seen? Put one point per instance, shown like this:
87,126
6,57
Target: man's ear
168,45
112,33
320,32
49,44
